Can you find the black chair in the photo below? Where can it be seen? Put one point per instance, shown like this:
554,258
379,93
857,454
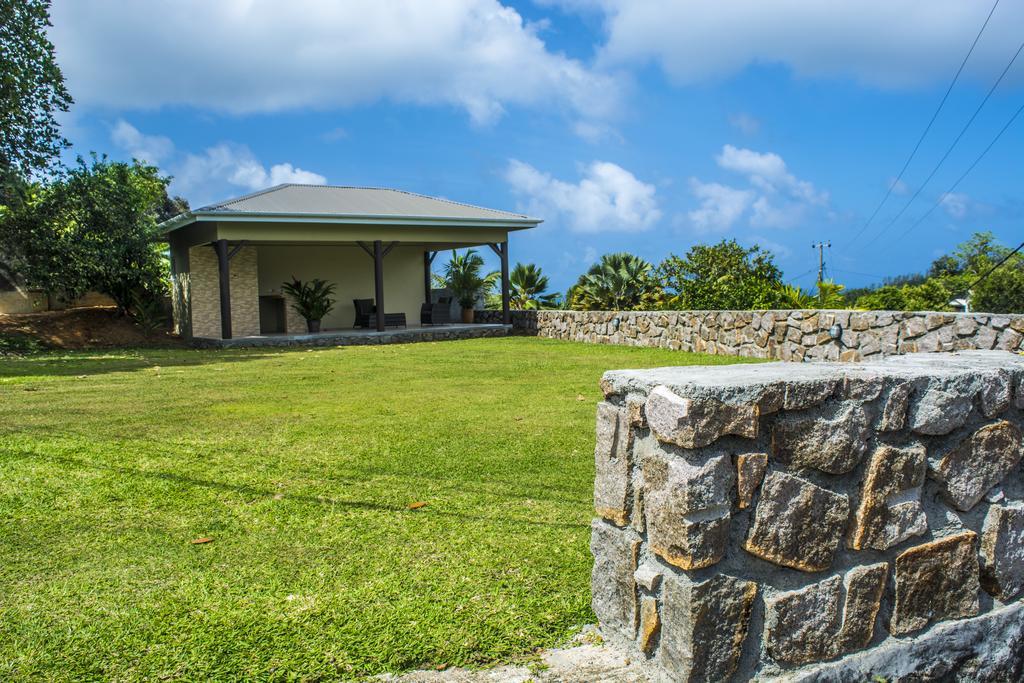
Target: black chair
438,313
365,311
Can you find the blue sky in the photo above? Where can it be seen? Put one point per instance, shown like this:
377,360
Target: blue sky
636,125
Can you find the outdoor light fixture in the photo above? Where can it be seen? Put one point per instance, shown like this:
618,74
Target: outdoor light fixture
835,332
615,323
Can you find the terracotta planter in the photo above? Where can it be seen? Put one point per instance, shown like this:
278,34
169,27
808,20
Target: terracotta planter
467,315
313,326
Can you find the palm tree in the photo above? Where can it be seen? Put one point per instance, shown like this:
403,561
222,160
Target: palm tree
462,276
829,295
528,288
618,282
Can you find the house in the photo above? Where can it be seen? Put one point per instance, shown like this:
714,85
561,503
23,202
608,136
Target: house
229,260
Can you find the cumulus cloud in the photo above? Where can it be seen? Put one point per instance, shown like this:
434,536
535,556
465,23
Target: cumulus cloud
217,169
768,172
152,149
245,56
720,205
775,198
608,198
888,43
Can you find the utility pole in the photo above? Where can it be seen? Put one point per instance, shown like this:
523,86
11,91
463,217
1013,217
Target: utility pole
820,246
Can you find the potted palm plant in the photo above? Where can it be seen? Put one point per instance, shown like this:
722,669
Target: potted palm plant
463,277
312,300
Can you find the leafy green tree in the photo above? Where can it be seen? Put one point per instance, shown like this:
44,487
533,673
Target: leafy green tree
618,282
92,229
463,275
794,297
528,290
828,296
721,276
887,298
32,92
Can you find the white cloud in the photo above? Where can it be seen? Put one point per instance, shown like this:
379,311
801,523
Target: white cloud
244,56
218,169
775,199
955,204
236,165
607,199
768,172
898,187
745,123
149,148
720,205
888,43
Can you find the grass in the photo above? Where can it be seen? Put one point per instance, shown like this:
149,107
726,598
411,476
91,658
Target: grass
300,465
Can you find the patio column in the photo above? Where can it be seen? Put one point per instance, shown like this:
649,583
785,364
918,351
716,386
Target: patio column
221,247
378,282
428,260
506,314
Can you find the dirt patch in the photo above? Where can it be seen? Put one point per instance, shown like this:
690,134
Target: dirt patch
82,328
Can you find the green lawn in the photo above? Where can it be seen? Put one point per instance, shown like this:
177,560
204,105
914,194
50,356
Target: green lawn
300,465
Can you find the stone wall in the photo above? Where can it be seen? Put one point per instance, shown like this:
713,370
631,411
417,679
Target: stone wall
818,521
780,335
204,292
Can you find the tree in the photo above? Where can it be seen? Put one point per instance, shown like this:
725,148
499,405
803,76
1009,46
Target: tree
92,229
618,282
528,290
829,295
462,275
31,95
721,276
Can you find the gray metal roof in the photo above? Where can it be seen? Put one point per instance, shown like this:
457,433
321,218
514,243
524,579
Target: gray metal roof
322,200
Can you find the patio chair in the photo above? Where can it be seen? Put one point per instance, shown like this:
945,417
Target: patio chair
364,312
436,313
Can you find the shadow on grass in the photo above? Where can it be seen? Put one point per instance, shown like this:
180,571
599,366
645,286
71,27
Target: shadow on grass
255,491
98,362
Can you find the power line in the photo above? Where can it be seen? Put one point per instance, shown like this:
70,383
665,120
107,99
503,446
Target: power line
970,168
797,277
927,128
949,151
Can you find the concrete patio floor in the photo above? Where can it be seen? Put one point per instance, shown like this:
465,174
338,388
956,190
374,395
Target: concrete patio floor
354,337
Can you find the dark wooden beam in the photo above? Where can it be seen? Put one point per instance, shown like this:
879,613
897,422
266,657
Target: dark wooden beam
221,247
369,252
389,248
427,260
496,248
238,246
506,313
378,283
433,255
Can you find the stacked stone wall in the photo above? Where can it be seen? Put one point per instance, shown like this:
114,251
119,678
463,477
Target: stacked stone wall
204,292
814,522
779,335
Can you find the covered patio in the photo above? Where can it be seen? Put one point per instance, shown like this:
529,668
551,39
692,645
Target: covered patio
230,260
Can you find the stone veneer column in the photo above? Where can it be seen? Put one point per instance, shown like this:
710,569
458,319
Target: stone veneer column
764,520
204,288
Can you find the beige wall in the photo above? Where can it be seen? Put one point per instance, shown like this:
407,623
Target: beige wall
351,269
23,302
204,281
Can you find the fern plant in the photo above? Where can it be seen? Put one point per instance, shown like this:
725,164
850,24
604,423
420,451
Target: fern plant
311,299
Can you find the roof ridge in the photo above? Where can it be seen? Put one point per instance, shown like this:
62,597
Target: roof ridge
251,195
452,201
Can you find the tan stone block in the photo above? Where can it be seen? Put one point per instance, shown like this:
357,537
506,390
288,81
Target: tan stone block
686,508
612,587
835,443
783,531
978,463
890,508
704,624
1002,551
934,582
613,460
694,423
750,469
650,625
